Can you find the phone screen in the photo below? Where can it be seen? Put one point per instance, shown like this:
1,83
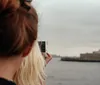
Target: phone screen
42,45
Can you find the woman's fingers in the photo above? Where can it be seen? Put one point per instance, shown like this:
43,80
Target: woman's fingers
48,58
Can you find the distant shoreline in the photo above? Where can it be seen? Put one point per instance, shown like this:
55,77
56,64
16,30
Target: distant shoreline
78,59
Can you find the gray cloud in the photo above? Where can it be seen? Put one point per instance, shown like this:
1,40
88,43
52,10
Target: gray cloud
69,25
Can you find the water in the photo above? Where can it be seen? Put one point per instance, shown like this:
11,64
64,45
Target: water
72,73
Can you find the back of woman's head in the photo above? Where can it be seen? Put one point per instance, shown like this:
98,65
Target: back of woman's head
18,30
18,27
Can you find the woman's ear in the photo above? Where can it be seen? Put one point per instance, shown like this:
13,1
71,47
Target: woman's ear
27,51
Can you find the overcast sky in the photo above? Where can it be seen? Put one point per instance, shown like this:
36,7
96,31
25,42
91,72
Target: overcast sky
69,26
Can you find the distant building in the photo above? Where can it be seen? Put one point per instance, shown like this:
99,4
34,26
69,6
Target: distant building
91,56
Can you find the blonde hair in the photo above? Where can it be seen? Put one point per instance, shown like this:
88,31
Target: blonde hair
31,71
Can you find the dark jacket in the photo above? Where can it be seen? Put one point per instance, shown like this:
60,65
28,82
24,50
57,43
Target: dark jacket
6,82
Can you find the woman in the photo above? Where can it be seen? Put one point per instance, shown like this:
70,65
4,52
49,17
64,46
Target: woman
18,36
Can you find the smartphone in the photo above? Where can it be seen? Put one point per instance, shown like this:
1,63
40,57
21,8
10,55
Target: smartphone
42,45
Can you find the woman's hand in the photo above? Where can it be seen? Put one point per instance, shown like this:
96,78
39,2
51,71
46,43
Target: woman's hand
47,57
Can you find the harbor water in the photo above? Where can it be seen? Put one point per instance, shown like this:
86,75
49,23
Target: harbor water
72,73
